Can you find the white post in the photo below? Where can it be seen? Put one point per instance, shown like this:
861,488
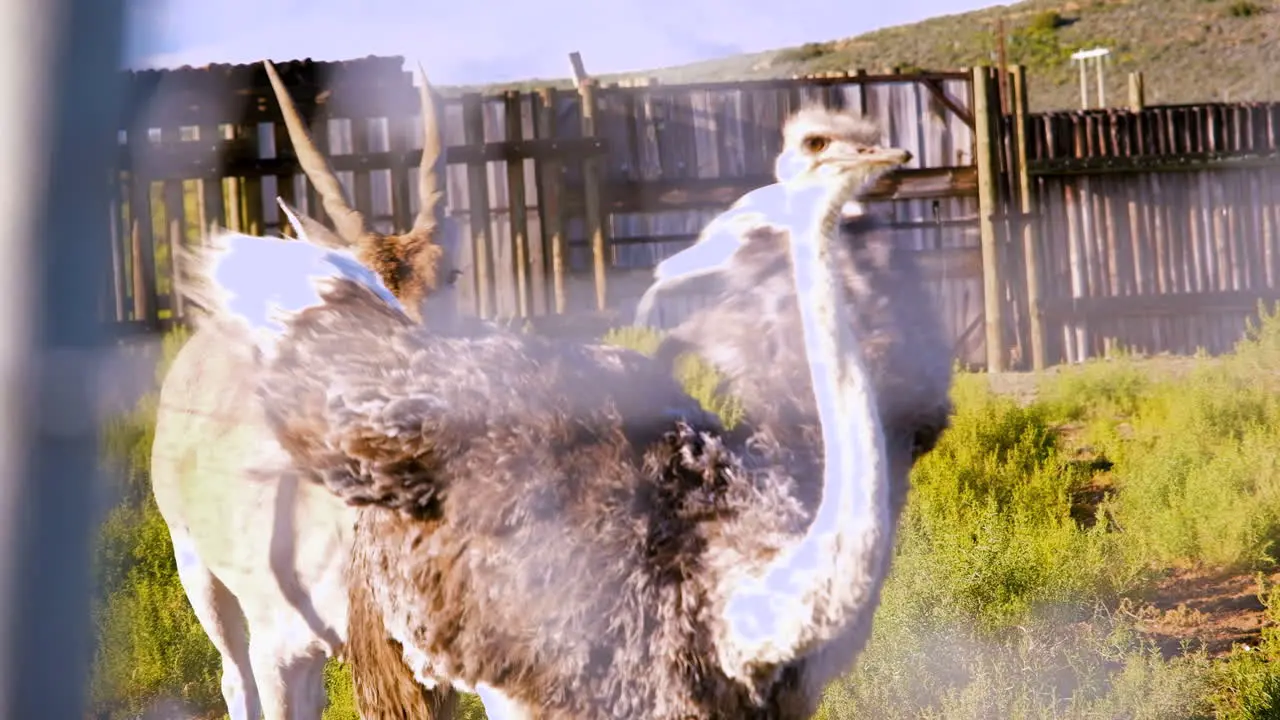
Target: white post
59,108
1102,92
1082,57
1084,84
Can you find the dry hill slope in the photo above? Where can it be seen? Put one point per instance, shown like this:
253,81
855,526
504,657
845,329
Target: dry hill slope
1188,50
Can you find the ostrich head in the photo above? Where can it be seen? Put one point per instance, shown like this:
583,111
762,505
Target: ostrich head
817,143
817,139
417,265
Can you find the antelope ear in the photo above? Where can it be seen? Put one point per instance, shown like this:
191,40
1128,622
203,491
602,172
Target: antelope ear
308,229
263,282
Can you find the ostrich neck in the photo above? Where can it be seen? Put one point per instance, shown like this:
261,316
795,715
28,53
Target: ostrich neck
816,586
847,414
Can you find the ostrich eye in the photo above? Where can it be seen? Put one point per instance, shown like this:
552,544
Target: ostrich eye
453,276
816,143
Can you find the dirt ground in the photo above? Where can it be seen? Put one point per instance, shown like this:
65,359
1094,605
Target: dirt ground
1187,608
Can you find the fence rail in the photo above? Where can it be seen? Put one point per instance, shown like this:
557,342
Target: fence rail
1047,238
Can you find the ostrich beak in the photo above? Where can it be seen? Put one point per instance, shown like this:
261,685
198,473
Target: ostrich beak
875,156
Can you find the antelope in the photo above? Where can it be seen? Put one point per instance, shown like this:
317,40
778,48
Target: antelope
264,557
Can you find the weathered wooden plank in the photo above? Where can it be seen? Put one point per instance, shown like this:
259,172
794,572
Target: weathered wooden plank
239,158
1168,304
593,210
550,210
516,202
1030,241
478,207
666,195
985,109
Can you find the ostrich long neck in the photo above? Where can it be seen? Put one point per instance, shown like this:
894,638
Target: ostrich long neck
815,587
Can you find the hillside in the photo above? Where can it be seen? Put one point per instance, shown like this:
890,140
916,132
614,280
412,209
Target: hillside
1188,50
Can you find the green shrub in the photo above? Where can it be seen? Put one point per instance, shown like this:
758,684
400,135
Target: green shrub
150,647
1197,458
990,517
804,53
699,378
1046,21
1245,9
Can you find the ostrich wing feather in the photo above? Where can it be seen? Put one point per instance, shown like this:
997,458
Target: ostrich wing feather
373,405
260,281
723,235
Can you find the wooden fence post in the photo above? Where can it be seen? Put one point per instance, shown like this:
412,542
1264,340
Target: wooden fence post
251,186
1030,243
141,288
591,179
985,115
549,184
212,208
518,212
478,203
175,218
1137,92
143,235
117,245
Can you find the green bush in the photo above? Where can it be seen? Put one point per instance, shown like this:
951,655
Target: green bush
150,646
1003,602
699,379
804,53
1046,21
1245,9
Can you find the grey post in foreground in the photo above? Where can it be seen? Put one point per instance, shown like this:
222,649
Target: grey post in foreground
60,93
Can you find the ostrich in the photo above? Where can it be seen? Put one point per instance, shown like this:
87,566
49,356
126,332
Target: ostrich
749,325
561,529
253,546
811,136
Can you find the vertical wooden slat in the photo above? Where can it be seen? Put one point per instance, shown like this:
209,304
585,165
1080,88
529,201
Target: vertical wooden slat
117,260
1030,242
399,142
1265,195
145,307
550,184
361,187
232,192
251,187
478,201
284,182
523,257
212,209
984,113
593,210
174,216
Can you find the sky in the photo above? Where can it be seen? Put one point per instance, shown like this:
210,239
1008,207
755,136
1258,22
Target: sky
483,41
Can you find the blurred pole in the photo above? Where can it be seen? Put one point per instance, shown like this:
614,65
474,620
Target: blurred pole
60,88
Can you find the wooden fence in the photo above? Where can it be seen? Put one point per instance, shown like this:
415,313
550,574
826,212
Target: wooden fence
1162,225
1046,238
663,160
